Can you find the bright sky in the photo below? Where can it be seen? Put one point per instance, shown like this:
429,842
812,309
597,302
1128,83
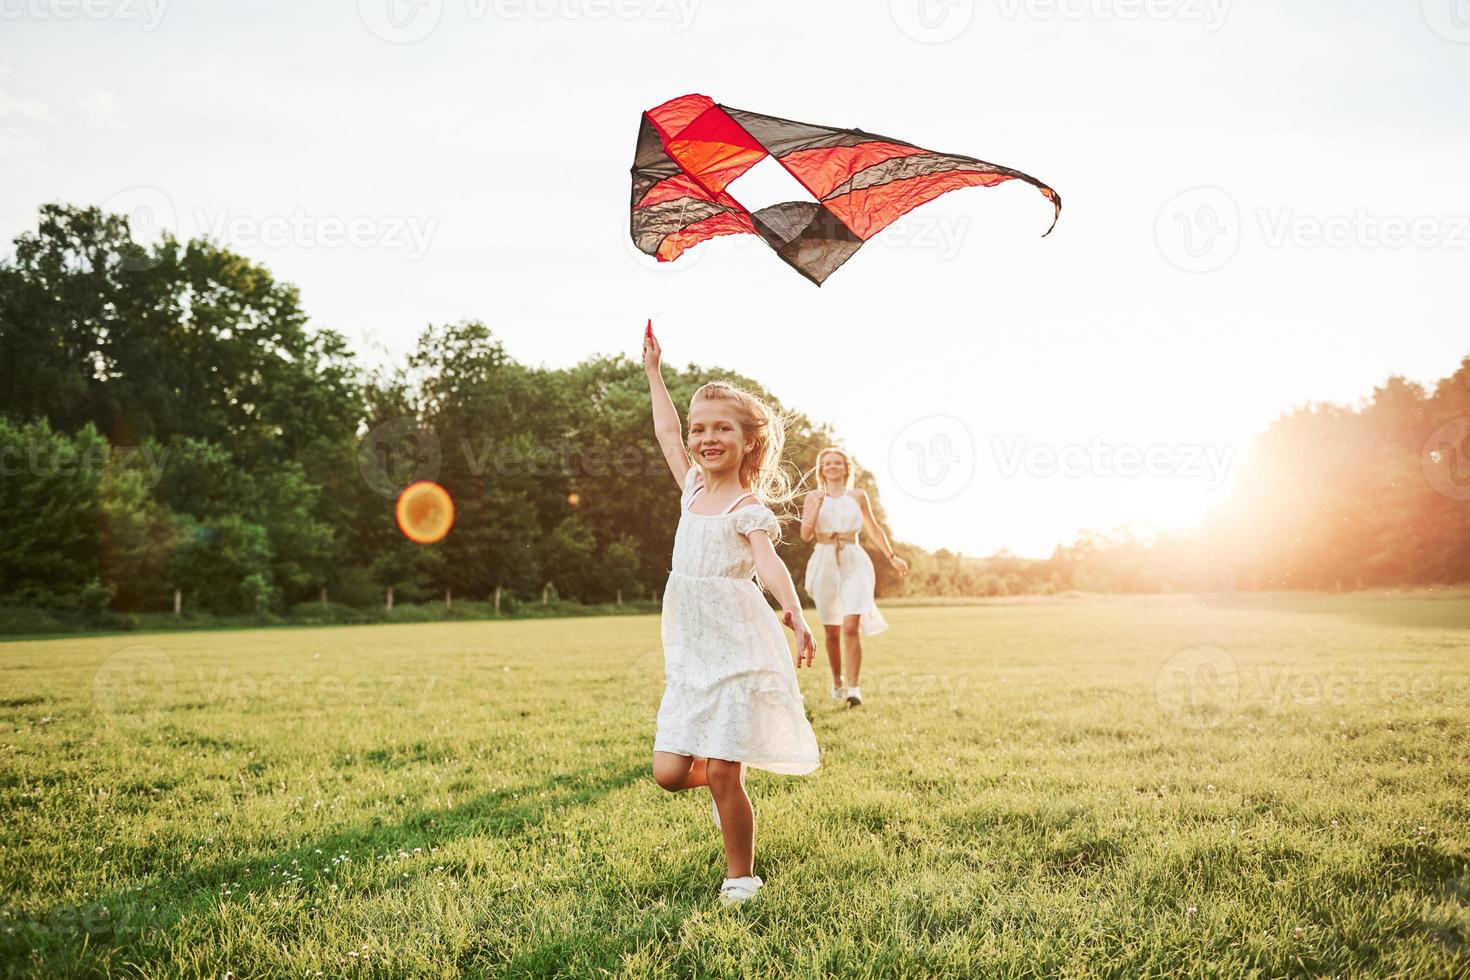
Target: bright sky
1262,206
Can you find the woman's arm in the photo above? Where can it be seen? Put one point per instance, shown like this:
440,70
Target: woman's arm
810,508
666,427
870,524
777,577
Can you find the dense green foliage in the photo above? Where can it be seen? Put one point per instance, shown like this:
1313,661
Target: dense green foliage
250,465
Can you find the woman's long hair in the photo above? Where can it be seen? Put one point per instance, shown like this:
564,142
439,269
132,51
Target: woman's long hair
761,471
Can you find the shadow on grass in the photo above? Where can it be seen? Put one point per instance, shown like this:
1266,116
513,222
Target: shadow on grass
122,919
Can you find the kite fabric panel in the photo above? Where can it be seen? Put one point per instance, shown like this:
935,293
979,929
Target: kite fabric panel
691,149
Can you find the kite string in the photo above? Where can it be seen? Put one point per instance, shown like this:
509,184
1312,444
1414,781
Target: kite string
700,302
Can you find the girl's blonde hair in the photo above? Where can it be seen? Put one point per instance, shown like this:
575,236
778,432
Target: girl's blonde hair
761,471
850,471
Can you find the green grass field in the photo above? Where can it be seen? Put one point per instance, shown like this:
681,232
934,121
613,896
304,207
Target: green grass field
1228,787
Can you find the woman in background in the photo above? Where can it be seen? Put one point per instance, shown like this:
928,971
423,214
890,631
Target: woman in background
840,577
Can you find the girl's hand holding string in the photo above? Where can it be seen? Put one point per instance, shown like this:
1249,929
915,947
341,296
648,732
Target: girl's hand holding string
806,644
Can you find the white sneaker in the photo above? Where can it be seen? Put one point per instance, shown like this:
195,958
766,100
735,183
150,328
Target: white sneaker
854,697
737,890
838,693
715,810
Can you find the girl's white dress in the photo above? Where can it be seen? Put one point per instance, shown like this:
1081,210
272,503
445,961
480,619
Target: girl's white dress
841,581
730,688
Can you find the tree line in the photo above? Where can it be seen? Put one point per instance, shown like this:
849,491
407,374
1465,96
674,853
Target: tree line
1328,497
171,423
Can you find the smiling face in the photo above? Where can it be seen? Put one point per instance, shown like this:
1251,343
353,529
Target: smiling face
715,436
833,469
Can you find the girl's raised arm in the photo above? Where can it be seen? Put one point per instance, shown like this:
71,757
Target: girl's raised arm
666,426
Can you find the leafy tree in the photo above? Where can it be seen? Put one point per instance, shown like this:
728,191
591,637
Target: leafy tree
184,339
500,429
568,557
137,538
222,565
623,568
49,494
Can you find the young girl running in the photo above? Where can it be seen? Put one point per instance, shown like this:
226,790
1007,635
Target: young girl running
730,694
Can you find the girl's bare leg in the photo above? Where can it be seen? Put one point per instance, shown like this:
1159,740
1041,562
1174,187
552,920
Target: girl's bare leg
834,652
679,772
737,820
854,648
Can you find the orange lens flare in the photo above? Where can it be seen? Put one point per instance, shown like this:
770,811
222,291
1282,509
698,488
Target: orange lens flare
425,512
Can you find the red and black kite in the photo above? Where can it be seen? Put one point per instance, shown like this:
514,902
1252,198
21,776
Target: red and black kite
691,149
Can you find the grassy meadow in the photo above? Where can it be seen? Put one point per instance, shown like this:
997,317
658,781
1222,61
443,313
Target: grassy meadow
1241,786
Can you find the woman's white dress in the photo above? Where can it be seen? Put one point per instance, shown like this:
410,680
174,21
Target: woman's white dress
841,584
730,688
